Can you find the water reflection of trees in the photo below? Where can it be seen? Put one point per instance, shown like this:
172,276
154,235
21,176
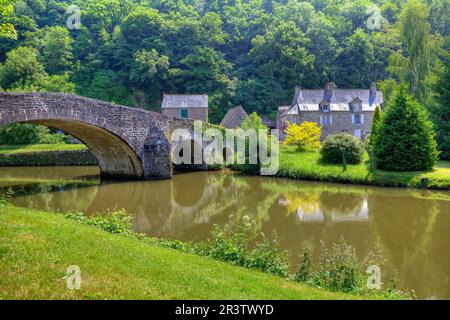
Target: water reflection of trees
414,233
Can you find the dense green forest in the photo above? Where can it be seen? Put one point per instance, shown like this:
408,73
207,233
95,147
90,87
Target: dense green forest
249,52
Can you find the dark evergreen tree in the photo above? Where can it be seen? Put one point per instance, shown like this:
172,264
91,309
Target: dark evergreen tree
441,113
405,141
377,118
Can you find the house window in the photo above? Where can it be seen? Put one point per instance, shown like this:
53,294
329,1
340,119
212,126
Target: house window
325,108
184,113
325,120
357,119
356,107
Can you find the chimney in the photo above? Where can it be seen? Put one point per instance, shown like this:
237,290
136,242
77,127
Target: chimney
329,88
373,89
298,90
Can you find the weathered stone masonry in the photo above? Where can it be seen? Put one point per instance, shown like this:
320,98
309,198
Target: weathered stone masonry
128,143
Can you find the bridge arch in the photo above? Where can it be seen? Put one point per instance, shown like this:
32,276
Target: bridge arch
116,158
128,143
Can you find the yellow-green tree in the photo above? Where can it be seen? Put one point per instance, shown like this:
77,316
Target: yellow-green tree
6,29
305,136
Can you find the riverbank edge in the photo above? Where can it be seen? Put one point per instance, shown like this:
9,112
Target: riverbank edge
391,182
37,247
48,158
308,167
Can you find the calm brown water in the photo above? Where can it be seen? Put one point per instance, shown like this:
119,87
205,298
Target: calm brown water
410,227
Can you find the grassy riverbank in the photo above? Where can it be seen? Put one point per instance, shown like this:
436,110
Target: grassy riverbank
40,148
36,248
308,166
46,155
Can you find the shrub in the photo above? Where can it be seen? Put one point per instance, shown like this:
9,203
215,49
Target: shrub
5,197
339,269
24,134
405,141
305,136
117,222
238,244
335,147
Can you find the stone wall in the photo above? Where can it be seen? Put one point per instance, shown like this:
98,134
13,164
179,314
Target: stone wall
193,113
341,122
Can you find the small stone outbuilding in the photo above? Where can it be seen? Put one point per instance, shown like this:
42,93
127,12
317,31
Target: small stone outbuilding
234,118
186,106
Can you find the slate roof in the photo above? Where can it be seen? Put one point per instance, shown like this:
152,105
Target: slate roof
309,100
234,118
185,101
268,122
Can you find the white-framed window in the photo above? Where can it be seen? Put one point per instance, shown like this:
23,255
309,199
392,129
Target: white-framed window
325,108
326,120
357,119
358,134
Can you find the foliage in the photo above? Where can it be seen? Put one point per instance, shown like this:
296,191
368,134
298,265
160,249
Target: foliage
5,196
342,146
339,269
423,48
117,222
441,111
305,136
252,122
238,52
405,141
7,29
377,119
22,134
234,243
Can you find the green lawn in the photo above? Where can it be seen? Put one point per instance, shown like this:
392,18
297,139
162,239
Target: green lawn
309,167
36,248
7,149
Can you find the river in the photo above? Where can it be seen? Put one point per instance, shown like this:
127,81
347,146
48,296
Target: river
411,228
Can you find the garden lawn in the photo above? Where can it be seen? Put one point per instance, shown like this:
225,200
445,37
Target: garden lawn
36,248
308,166
7,149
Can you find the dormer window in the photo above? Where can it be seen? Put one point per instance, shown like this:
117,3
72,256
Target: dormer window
356,106
325,108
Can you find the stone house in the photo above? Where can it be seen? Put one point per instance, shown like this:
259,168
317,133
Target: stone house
186,106
335,110
234,118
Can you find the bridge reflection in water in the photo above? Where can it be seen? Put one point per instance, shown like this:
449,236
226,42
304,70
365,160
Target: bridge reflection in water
409,226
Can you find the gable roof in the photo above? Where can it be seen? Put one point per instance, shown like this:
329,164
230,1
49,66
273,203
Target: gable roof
234,117
185,101
339,100
282,110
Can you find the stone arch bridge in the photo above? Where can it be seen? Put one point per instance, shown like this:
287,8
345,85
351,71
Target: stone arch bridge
128,143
